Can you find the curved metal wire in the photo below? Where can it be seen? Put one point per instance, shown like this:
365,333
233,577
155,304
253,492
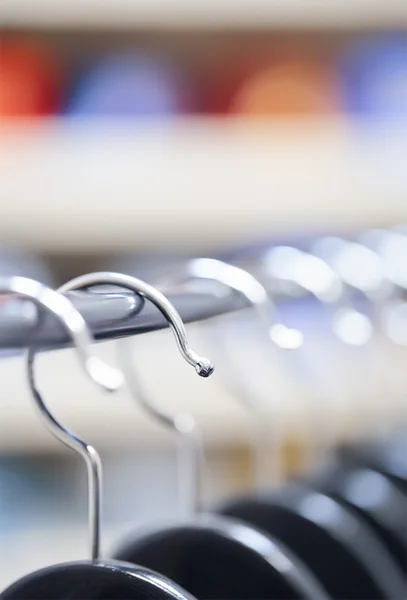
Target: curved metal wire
243,282
100,373
182,423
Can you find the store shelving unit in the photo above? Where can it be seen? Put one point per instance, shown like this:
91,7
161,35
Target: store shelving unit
71,185
169,14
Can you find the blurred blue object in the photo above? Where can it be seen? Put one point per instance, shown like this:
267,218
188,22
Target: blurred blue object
38,490
15,489
133,85
375,74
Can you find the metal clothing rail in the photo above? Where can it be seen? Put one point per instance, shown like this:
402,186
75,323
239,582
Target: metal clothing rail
109,314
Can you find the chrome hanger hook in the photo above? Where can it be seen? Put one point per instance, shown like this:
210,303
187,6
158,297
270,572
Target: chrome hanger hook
243,282
100,373
182,423
203,366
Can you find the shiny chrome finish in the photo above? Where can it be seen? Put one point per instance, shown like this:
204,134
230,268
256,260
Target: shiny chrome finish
183,424
99,372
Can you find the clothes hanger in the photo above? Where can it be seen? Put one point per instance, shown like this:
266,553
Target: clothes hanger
380,504
373,266
341,479
240,281
387,458
95,578
377,282
366,277
299,274
387,453
358,572
211,556
311,273
332,378
203,366
375,499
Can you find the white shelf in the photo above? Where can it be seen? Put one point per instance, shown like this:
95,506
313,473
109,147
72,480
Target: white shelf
169,14
80,185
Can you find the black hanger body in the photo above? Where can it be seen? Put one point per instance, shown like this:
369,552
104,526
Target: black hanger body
217,558
338,548
100,580
388,458
375,498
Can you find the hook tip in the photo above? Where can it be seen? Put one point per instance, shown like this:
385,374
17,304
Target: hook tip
204,367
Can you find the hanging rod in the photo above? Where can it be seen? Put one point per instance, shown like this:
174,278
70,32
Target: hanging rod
109,314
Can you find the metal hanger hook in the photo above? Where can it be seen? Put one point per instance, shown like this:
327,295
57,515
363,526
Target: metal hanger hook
243,282
182,423
203,366
100,373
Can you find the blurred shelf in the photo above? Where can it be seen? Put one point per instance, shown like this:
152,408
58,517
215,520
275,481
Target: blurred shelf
115,420
217,14
76,185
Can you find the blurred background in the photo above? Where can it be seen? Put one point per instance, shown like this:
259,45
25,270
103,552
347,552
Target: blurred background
134,134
